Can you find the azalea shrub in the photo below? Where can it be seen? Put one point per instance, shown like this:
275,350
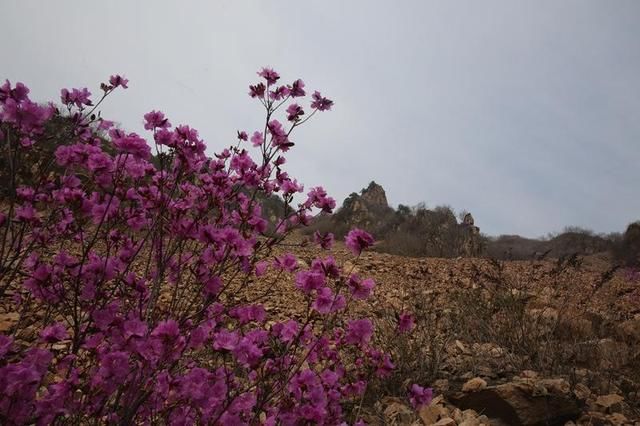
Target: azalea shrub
128,264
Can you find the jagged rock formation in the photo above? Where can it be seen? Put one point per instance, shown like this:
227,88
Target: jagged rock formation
408,231
628,251
368,210
374,195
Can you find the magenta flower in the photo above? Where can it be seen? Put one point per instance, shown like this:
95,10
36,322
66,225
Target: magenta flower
270,75
54,333
166,331
359,332
26,213
321,103
294,111
286,262
75,96
118,80
317,197
155,120
324,300
296,90
406,322
279,93
134,145
242,136
358,240
360,289
6,343
257,138
19,93
308,281
419,396
257,91
323,240
286,331
225,339
279,135
212,286
261,268
134,328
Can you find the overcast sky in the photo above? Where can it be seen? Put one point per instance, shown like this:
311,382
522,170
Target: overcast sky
527,114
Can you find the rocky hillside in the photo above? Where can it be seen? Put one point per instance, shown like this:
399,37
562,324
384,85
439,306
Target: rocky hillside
501,343
515,247
405,231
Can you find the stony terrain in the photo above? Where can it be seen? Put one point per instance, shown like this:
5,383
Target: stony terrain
544,342
521,343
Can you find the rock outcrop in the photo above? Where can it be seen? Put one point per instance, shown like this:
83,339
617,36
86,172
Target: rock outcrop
471,242
414,231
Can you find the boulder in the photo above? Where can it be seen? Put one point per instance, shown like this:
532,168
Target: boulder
474,385
522,403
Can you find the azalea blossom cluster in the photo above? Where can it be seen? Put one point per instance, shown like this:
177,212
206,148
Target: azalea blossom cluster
131,265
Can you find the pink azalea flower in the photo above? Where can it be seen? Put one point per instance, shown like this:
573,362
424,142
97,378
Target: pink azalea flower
155,120
297,89
358,240
419,396
359,332
269,74
295,112
360,289
54,333
286,262
406,322
321,103
257,91
323,240
118,80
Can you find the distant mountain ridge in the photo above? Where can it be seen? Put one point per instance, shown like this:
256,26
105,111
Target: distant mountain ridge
437,232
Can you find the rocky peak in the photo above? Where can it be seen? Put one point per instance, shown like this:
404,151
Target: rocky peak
374,195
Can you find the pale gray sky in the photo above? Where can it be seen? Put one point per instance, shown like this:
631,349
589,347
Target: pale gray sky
525,113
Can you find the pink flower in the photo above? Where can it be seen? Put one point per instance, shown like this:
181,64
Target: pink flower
317,197
212,286
279,135
359,332
360,289
323,240
155,120
294,111
6,343
257,91
297,89
134,145
257,138
324,300
54,333
261,268
75,96
358,240
406,322
280,93
286,331
225,339
321,103
286,262
166,331
26,213
242,136
419,396
118,80
269,74
308,281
